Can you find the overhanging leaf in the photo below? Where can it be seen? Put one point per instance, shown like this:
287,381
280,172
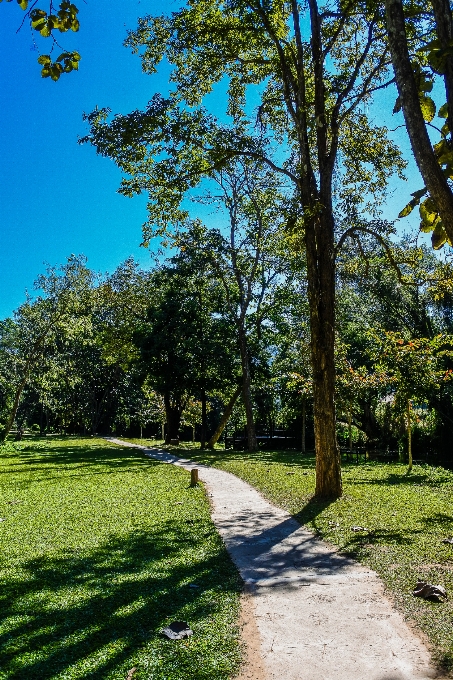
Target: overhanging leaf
428,108
438,237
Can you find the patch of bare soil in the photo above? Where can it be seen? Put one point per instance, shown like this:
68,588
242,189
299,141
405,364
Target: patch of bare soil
253,666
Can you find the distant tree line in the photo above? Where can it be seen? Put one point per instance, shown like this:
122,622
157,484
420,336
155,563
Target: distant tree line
161,351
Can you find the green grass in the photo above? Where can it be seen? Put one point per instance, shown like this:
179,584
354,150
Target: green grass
99,549
408,515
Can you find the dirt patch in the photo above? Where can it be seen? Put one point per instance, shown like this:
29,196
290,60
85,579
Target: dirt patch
253,666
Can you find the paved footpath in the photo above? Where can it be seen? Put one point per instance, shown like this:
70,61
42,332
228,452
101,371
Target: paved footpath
320,616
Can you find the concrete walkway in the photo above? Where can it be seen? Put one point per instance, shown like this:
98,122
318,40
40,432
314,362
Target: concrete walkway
320,616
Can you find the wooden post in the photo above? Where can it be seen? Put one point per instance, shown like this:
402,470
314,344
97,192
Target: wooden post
194,477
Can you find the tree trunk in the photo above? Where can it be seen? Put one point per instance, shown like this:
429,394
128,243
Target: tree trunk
409,435
444,30
173,414
203,419
425,158
321,295
350,427
303,424
12,415
252,444
224,419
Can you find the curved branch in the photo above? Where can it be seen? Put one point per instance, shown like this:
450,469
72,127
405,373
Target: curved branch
352,231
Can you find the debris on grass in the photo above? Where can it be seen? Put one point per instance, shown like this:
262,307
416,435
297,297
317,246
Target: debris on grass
360,529
131,673
178,630
448,540
429,592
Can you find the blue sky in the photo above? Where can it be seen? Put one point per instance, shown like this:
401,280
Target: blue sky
56,197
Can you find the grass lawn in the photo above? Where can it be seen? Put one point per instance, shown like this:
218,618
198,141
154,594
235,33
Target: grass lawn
407,515
100,549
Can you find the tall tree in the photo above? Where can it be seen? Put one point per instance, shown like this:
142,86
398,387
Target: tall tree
65,292
185,346
315,69
420,42
243,257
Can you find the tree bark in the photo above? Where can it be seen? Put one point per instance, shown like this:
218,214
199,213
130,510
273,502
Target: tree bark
224,419
252,444
443,20
173,414
321,295
409,435
304,409
425,158
203,419
16,401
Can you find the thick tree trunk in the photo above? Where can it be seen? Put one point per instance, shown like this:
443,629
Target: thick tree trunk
321,295
252,444
425,158
224,419
173,414
444,30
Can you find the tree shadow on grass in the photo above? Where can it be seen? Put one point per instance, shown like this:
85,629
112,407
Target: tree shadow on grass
81,459
405,479
93,613
286,458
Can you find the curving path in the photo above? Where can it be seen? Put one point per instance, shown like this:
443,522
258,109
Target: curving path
320,616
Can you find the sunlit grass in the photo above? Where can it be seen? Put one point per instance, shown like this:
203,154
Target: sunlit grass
407,515
100,548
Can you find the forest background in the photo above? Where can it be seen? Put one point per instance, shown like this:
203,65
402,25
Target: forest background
231,308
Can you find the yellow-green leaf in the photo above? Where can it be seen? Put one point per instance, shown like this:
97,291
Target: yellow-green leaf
438,237
427,213
443,111
407,209
428,108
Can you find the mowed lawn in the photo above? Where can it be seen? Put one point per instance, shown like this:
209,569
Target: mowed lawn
406,517
101,548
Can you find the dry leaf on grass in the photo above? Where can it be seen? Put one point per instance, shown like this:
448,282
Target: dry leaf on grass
177,630
429,592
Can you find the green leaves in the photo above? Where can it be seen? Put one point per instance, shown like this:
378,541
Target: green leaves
439,237
65,63
437,55
45,23
23,4
64,20
415,201
428,108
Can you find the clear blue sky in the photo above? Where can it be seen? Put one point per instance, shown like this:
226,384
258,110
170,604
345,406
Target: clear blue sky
56,197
